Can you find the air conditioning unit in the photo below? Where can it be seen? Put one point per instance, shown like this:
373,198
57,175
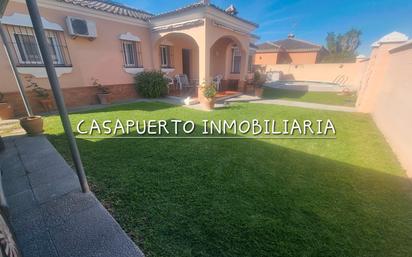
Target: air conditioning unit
79,27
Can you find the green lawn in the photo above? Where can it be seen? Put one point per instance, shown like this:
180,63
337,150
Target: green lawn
250,197
331,98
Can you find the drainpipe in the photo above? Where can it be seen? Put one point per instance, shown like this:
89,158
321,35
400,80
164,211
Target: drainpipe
57,93
15,72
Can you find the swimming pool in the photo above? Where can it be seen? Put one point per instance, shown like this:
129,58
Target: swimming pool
312,86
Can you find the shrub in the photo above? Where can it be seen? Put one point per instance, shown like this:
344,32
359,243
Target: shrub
151,84
209,91
259,79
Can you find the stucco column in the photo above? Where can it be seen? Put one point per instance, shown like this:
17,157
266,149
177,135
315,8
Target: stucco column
204,60
204,56
243,68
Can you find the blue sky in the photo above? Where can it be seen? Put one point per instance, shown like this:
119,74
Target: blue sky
310,19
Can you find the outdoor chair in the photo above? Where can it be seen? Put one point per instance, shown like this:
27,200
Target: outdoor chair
183,81
170,82
218,81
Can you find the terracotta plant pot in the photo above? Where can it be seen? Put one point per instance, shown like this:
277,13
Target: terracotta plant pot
47,104
104,98
258,91
6,111
209,104
33,125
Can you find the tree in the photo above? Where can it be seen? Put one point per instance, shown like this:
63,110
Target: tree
342,48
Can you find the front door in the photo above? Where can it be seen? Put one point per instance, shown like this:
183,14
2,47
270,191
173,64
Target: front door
186,62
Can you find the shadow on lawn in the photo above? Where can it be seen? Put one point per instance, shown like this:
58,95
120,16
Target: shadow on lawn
242,197
143,106
279,93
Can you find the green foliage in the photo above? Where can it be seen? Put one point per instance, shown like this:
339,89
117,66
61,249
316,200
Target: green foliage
259,79
151,84
342,48
40,92
1,97
209,91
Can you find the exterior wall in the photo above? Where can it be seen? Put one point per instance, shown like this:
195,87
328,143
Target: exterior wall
213,34
386,93
86,56
351,73
74,96
101,58
393,107
219,57
303,57
180,41
266,58
270,58
192,38
374,76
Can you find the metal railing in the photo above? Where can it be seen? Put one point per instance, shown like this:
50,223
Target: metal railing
26,51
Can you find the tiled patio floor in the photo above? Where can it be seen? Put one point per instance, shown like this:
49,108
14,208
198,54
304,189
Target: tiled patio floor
50,215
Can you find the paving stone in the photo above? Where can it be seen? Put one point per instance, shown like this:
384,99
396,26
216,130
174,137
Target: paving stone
50,215
92,233
29,222
58,211
57,188
10,162
21,202
41,160
15,185
13,169
39,246
31,145
50,174
9,151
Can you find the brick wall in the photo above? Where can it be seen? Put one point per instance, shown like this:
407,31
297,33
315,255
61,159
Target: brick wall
74,97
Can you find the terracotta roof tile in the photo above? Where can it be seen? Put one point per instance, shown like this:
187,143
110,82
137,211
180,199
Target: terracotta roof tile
269,46
120,9
111,7
199,5
289,45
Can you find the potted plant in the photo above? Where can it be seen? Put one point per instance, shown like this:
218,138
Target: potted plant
103,93
209,92
33,125
6,111
42,94
259,80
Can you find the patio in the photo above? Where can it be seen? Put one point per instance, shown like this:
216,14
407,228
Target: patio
49,214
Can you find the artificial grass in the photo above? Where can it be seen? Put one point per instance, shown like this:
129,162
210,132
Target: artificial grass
331,98
250,197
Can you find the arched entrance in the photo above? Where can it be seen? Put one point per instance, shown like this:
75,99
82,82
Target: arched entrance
228,60
178,54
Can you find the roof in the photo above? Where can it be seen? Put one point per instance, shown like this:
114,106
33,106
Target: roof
120,9
404,46
289,45
269,46
252,46
111,7
394,37
202,4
